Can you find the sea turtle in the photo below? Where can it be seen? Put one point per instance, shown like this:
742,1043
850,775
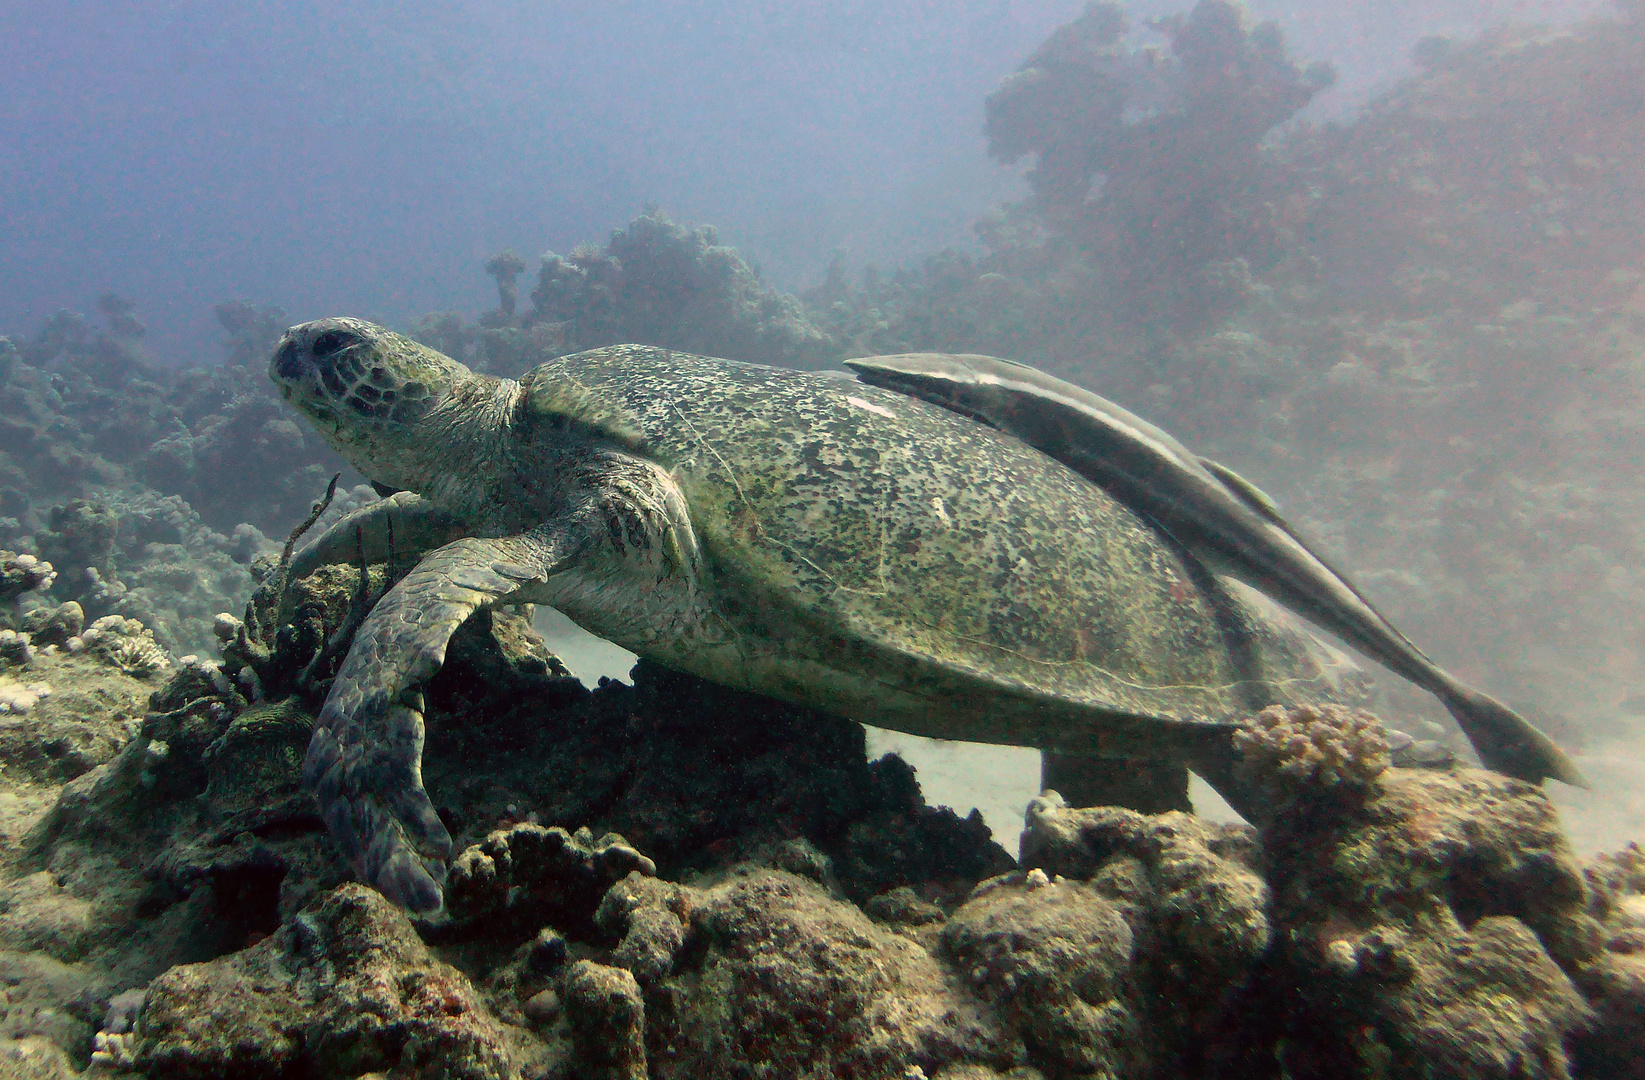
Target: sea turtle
790,533
1213,512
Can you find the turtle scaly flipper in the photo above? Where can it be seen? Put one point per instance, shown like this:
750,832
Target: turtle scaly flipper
364,762
403,527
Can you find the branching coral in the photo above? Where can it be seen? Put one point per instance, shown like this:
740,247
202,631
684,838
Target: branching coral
127,644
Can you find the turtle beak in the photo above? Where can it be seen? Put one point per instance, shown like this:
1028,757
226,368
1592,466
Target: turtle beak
289,364
307,358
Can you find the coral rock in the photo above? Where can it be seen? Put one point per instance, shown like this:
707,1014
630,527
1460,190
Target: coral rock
1202,885
1056,957
35,1058
16,649
607,1018
21,573
55,625
776,978
528,872
17,697
1430,931
1290,747
337,992
1190,894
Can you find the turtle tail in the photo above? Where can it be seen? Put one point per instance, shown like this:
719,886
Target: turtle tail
1507,742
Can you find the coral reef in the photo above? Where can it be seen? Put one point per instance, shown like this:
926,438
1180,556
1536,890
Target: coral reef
22,573
1371,342
1437,928
58,625
672,879
659,284
1170,142
1188,896
144,557
669,879
86,416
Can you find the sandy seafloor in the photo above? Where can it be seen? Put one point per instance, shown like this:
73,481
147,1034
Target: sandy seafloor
1000,780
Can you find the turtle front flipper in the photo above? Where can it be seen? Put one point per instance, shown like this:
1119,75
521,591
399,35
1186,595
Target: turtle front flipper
364,762
400,529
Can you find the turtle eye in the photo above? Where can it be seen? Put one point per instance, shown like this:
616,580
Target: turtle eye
331,342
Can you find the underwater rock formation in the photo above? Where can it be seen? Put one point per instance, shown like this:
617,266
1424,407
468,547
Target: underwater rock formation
185,835
1441,922
344,989
767,972
1185,895
774,904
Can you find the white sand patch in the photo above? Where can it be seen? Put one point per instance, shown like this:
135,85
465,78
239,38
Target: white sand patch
1611,814
587,656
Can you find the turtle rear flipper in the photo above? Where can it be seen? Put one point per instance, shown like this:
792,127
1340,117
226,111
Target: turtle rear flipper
364,762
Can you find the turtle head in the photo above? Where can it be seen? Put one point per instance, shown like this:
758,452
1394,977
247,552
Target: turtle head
371,393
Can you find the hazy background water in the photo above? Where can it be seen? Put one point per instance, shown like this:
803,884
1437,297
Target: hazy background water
363,157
